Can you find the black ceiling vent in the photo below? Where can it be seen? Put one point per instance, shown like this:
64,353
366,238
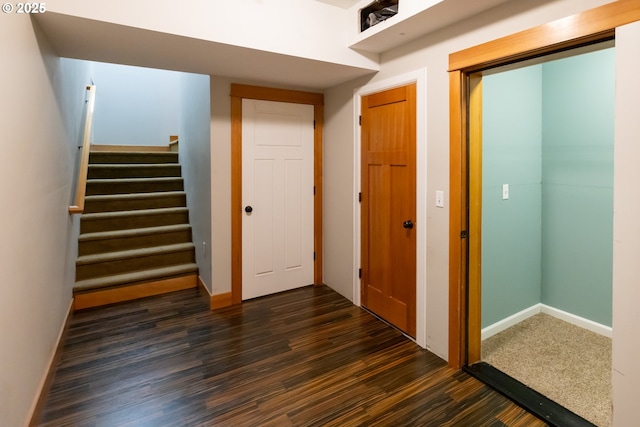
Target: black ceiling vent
376,12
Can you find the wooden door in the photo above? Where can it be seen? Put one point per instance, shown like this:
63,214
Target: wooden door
388,286
277,192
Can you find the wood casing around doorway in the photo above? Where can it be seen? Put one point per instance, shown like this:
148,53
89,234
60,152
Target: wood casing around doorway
587,27
239,92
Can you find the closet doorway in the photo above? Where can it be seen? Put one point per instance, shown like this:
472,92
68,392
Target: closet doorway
541,224
465,302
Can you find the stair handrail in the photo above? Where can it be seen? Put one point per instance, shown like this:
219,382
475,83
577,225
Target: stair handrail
81,181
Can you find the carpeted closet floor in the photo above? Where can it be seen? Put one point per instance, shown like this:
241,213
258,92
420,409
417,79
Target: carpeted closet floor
566,363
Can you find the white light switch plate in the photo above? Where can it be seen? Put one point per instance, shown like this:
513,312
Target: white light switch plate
505,191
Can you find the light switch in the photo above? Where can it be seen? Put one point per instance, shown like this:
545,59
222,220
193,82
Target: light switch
439,199
505,191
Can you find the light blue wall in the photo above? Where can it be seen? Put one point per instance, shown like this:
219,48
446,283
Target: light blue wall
548,133
511,229
144,106
135,105
577,186
195,158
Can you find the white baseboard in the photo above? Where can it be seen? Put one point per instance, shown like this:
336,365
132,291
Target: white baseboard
590,325
514,319
510,321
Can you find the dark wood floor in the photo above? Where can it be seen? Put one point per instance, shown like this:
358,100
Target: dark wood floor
301,358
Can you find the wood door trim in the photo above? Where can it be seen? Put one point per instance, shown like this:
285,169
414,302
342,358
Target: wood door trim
238,93
236,199
585,27
457,221
277,95
474,308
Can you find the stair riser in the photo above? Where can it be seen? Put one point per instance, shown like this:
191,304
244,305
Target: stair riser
94,189
134,242
127,279
128,157
115,294
135,204
130,222
108,268
168,170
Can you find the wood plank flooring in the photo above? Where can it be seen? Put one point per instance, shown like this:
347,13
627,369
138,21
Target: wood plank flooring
301,358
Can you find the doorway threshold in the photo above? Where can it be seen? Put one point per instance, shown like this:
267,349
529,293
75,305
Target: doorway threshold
539,405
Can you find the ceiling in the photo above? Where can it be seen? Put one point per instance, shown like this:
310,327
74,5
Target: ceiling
86,39
82,38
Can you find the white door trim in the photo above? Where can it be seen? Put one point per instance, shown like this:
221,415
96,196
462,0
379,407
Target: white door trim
420,78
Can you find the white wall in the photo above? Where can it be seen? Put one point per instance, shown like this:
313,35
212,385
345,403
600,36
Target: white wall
338,189
306,29
195,153
626,230
432,52
40,117
135,105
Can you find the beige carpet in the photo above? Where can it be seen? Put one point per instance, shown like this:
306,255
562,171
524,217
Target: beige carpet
568,364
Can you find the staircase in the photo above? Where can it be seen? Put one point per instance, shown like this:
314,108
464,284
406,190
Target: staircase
135,239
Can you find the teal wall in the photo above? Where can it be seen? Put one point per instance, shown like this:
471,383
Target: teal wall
548,133
511,229
577,184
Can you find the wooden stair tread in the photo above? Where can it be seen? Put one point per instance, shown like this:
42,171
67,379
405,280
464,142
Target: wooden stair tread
121,202
125,196
133,170
133,165
132,232
110,148
125,154
128,185
133,253
133,157
139,212
134,277
133,180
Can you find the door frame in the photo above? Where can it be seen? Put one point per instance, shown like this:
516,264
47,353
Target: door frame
590,26
419,77
238,93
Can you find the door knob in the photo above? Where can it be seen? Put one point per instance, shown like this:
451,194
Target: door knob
248,209
408,224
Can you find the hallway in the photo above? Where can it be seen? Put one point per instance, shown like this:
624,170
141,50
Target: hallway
304,357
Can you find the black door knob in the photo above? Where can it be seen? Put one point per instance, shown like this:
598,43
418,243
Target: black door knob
408,224
248,209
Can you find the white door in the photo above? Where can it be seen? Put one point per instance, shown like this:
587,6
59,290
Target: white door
277,195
